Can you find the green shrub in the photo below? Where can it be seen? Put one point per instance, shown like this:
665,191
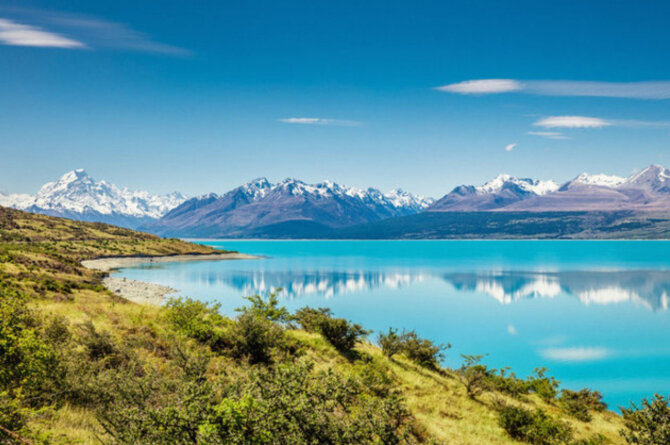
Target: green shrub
474,375
423,351
287,403
311,319
420,350
391,343
579,403
198,320
507,382
544,386
648,424
339,332
253,337
534,427
267,307
29,363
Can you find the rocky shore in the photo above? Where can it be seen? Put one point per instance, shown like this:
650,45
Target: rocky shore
148,293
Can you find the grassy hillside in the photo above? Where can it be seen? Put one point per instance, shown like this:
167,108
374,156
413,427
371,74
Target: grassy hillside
81,365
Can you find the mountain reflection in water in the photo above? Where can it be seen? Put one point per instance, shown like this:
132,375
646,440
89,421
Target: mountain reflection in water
647,288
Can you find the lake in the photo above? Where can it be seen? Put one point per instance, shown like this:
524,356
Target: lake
594,312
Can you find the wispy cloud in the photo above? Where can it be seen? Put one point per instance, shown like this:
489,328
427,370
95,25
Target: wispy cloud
572,122
510,147
482,86
548,134
630,90
318,121
576,354
589,122
28,26
511,330
17,34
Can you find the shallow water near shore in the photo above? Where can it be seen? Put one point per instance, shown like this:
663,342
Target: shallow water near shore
594,312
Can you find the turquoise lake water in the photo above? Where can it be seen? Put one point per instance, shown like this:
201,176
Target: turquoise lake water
594,312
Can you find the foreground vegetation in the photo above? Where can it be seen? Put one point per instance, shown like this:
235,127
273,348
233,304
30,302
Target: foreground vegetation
78,364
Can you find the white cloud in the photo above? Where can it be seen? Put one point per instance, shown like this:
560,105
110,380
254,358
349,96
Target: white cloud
511,330
572,122
548,134
482,86
317,121
629,90
17,34
82,31
510,147
576,354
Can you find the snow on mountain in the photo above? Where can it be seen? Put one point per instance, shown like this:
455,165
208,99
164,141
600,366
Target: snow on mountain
78,196
600,180
655,178
17,201
501,191
291,202
534,186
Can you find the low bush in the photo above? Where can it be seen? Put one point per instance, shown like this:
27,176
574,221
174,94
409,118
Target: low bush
339,332
578,404
310,319
267,308
198,320
253,337
423,351
648,424
420,350
508,383
390,342
288,403
474,376
543,385
534,427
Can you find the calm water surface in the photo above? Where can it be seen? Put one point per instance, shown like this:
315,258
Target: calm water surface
594,312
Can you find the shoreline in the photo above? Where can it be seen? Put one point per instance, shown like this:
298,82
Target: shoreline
142,292
114,263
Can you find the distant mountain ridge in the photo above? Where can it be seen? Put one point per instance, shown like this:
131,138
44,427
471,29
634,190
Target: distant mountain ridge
288,207
589,205
648,190
76,195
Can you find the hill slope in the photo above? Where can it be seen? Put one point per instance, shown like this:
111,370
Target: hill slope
79,364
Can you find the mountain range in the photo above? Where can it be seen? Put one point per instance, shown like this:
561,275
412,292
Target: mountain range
290,208
76,195
648,190
507,206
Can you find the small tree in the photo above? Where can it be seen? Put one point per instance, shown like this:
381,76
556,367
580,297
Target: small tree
474,375
648,425
423,351
579,403
339,332
391,343
267,307
544,386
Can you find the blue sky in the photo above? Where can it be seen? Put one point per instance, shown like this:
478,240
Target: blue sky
202,96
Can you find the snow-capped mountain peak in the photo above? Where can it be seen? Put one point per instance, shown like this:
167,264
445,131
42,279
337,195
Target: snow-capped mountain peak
77,195
655,177
534,186
600,180
400,198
